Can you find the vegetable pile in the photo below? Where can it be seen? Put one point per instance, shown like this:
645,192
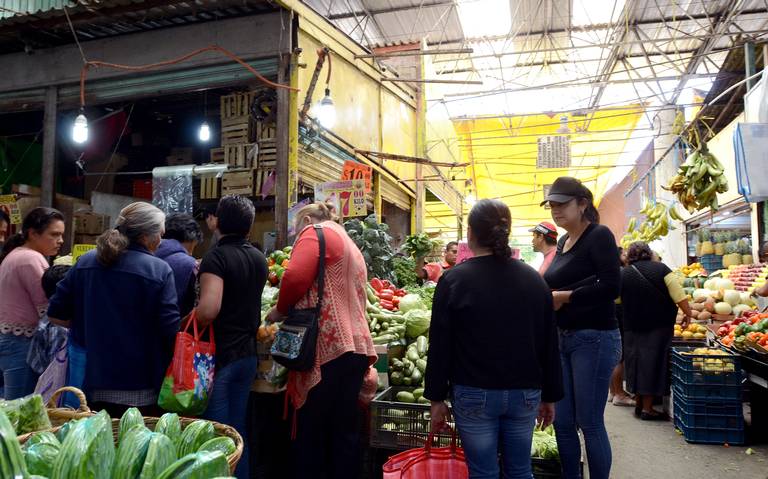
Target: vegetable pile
419,245
410,370
374,242
277,262
26,414
85,448
747,332
388,295
544,444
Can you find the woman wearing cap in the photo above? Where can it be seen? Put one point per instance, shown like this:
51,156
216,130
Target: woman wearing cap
545,242
585,280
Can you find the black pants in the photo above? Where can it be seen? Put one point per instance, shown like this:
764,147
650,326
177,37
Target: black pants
269,435
327,444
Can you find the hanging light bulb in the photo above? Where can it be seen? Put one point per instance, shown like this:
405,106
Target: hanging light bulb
470,199
205,132
326,111
80,129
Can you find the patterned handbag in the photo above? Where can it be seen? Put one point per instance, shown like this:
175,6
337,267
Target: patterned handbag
295,343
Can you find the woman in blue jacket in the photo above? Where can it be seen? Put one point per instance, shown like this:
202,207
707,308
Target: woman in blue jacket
120,303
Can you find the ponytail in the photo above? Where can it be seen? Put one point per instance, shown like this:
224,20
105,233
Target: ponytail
110,245
500,246
491,223
591,214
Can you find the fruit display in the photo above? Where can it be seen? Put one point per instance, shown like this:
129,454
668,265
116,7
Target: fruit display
655,225
747,277
699,180
714,361
693,270
277,262
86,448
719,296
693,331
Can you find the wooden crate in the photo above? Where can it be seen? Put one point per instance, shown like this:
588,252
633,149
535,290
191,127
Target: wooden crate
241,155
237,182
217,155
265,132
209,188
267,153
260,182
237,133
237,105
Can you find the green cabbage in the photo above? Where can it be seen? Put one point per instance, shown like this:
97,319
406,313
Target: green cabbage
544,444
416,322
410,302
11,458
44,437
40,458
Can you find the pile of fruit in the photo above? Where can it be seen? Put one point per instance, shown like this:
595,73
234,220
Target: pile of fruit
693,270
749,330
748,277
86,449
277,262
656,224
693,331
715,362
718,296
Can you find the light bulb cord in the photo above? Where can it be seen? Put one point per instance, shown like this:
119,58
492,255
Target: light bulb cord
152,66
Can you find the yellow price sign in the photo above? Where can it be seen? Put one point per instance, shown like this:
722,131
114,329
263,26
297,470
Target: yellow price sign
80,249
8,204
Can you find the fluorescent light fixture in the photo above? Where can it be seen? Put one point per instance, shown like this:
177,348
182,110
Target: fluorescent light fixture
470,199
326,111
205,132
596,12
80,129
484,18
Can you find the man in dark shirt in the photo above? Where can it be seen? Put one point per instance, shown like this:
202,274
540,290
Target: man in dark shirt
232,278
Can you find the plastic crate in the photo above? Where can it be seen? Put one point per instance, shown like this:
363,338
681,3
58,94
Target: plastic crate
724,369
711,407
707,392
711,262
704,435
700,414
400,426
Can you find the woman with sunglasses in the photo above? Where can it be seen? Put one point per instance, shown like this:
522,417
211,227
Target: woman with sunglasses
585,280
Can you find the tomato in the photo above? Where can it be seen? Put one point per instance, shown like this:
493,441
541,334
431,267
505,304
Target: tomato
270,262
377,285
273,279
386,294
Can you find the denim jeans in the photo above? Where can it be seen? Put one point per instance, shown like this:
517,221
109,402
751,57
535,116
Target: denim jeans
486,416
229,402
588,357
19,379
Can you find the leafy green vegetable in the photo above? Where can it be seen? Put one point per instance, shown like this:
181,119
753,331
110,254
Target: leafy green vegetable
44,437
27,414
405,272
409,302
374,242
170,425
426,292
40,458
131,417
418,245
194,436
200,465
161,453
416,322
11,458
132,452
544,444
88,451
221,443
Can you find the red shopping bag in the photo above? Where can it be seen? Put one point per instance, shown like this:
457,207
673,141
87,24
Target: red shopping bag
428,463
189,380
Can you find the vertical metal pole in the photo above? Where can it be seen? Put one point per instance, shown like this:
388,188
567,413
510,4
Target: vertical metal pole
377,195
47,177
749,63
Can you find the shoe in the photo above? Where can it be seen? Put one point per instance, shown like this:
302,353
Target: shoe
653,416
638,410
623,401
610,397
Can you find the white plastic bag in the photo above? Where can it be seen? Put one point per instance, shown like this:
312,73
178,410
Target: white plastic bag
55,375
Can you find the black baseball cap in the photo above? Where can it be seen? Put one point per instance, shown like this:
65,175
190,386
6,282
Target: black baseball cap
566,188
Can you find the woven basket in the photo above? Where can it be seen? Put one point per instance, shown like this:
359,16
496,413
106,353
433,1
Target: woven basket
151,422
61,415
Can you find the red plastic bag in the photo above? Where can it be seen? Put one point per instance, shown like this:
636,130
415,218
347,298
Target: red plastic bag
189,380
428,463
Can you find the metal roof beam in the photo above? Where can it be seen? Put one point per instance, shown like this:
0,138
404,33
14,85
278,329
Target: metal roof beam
382,11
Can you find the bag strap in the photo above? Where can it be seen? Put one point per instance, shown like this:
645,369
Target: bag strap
320,267
193,321
649,282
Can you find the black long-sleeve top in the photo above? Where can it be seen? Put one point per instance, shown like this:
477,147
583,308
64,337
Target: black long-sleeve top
591,269
493,327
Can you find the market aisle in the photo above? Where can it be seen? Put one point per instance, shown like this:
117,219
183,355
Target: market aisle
654,450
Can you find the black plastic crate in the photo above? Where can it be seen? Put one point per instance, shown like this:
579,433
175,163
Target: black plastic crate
400,426
722,369
703,435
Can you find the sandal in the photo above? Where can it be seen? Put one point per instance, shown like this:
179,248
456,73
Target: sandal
653,416
638,410
625,401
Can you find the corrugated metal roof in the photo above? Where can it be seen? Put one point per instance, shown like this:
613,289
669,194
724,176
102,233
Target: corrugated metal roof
10,8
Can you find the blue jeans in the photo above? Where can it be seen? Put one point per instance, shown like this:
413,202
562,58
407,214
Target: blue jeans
75,372
229,402
486,416
19,379
588,357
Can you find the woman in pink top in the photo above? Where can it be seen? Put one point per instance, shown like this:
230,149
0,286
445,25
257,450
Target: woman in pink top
22,264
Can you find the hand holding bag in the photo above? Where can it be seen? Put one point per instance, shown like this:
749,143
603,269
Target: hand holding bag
189,380
295,343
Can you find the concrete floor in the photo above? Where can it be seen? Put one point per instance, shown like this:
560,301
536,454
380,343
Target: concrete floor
654,450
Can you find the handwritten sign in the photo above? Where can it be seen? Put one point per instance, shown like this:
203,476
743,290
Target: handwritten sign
347,196
357,171
80,249
8,204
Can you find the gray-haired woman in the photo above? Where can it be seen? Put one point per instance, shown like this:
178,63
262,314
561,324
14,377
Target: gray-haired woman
120,303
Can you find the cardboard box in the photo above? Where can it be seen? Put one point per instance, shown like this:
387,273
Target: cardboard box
85,239
89,223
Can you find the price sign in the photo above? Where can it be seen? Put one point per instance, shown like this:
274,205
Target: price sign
357,171
8,204
80,249
348,196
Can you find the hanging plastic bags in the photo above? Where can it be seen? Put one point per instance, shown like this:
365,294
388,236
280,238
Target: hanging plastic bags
428,463
189,380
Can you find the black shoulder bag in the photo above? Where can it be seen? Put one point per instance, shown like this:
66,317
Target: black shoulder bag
295,343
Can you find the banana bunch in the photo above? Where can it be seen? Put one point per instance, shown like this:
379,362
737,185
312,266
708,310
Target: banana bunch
699,180
657,223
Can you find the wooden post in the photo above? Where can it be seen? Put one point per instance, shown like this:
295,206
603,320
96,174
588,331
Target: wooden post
286,138
47,177
417,222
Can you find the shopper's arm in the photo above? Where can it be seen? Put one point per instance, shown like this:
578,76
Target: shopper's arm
549,351
61,306
762,290
301,271
211,293
605,259
439,356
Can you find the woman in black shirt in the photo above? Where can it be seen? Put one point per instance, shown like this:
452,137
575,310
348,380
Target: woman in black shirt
493,346
585,281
